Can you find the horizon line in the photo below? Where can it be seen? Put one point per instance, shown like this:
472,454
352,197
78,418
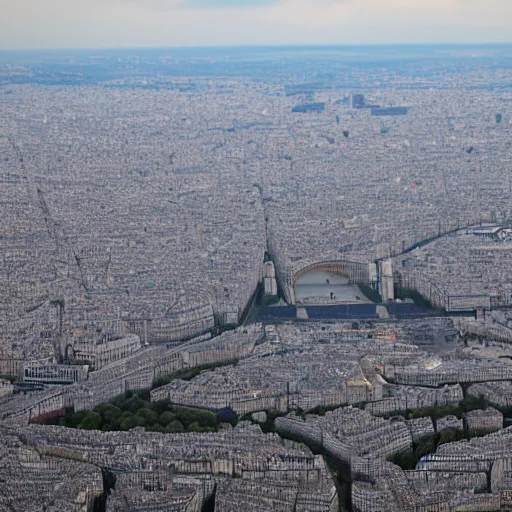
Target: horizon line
309,46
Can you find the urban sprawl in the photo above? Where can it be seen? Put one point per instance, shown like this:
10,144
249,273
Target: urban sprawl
289,292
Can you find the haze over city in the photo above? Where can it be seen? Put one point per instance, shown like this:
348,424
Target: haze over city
33,24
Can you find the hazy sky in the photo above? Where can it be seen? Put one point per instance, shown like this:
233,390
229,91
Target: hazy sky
112,23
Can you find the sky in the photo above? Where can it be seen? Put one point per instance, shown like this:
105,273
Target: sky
31,24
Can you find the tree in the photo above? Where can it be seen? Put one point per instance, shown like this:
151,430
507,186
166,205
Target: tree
175,427
109,412
185,415
206,419
194,427
133,404
166,418
92,421
128,422
156,428
472,402
140,421
425,446
448,435
149,416
161,406
75,419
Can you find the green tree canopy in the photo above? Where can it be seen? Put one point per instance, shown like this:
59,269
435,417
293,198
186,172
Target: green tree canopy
109,412
128,422
194,426
133,404
175,427
160,406
75,419
149,416
156,428
136,410
166,417
91,421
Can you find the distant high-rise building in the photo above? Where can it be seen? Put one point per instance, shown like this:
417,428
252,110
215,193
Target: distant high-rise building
357,100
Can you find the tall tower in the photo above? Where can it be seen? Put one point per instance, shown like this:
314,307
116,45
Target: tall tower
387,289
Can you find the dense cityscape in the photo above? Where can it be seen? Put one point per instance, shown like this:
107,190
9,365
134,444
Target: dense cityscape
256,279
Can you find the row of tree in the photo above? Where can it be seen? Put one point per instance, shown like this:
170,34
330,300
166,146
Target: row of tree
135,410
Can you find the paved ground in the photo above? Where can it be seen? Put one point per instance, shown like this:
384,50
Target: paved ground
320,285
